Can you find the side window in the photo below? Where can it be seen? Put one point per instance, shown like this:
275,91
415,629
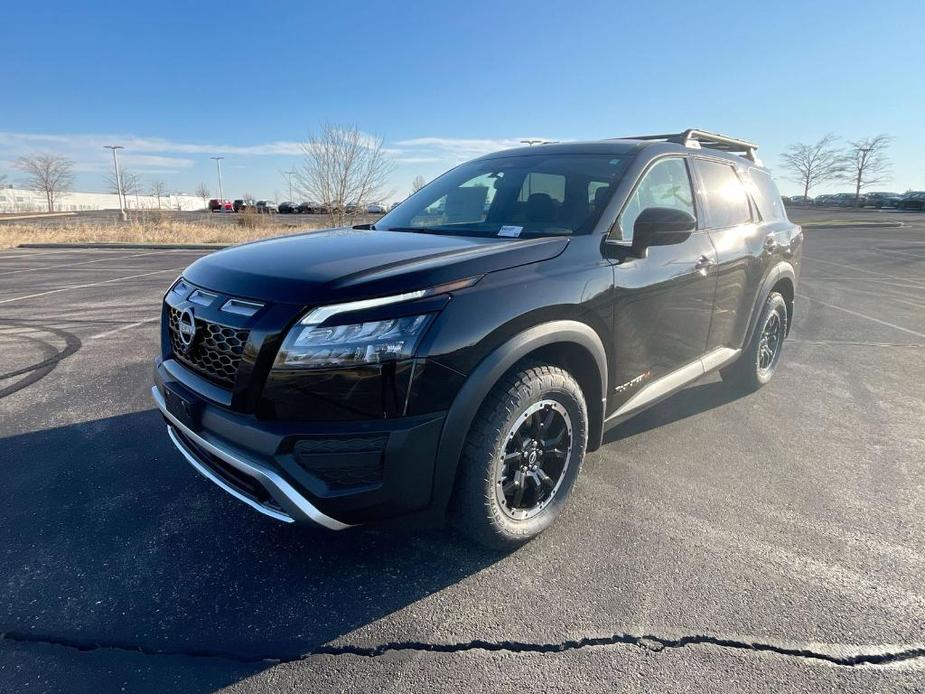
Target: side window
666,184
766,196
594,198
467,204
726,200
536,183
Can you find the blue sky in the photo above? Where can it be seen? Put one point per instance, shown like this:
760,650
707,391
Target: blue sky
442,82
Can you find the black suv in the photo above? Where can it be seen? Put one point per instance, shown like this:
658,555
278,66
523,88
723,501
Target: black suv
462,355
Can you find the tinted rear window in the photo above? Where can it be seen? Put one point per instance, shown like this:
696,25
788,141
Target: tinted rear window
726,200
766,195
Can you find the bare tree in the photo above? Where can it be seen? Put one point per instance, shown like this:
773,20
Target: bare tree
203,192
417,184
47,173
343,169
814,163
866,163
159,190
130,182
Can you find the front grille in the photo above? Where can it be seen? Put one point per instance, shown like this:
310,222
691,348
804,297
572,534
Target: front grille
216,352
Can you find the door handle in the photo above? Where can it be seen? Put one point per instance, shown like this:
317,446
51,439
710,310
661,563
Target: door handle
703,263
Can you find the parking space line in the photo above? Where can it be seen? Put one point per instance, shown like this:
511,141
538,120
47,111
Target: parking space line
124,327
887,283
85,262
849,266
862,315
895,255
917,304
91,284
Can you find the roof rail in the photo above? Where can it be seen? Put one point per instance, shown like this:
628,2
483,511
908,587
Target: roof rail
696,139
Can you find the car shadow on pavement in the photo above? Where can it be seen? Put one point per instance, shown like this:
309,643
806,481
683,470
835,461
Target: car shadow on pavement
109,539
683,404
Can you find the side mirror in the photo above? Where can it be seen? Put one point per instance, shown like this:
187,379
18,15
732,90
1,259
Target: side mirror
661,226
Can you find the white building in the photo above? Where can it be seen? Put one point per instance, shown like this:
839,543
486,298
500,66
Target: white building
20,200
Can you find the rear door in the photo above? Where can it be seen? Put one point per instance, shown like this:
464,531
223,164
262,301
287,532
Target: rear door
739,237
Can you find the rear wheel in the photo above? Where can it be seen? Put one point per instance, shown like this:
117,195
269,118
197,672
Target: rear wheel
521,457
758,361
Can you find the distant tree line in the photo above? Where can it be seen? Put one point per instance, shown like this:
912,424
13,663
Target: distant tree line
862,163
346,169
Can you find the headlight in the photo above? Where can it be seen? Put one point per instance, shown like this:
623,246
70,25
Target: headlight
373,342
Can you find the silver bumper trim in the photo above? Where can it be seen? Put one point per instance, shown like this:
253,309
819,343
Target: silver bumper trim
295,506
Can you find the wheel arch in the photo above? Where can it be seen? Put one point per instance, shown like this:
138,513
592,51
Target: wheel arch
572,345
784,286
781,278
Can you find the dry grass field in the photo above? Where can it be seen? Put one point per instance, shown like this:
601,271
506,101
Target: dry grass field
153,229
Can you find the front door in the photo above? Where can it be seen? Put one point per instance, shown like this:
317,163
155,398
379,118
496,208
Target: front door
663,302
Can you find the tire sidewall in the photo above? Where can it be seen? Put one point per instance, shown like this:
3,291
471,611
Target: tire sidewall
569,396
774,304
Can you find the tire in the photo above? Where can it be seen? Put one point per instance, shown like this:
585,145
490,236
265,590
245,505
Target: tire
483,506
759,360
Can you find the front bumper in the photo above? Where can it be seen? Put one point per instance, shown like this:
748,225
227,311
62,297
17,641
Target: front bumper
287,504
306,472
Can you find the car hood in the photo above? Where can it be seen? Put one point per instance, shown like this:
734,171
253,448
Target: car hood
345,264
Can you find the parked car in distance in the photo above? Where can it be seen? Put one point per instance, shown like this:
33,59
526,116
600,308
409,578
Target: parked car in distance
460,368
914,200
215,205
309,207
823,200
799,200
241,205
227,206
880,200
375,208
288,207
266,207
847,200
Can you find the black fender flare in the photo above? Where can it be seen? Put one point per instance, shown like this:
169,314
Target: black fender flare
483,378
782,270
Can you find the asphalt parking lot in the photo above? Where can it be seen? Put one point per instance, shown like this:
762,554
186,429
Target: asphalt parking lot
716,543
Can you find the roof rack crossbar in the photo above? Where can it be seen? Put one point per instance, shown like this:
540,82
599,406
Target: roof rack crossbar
701,138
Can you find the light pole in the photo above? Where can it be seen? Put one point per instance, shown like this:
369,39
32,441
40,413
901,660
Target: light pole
115,165
221,192
289,175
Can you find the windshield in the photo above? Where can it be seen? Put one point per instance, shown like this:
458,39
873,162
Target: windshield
529,195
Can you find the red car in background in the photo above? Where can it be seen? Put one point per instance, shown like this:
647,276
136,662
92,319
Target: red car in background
216,205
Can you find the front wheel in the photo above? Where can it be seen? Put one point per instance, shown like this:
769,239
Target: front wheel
758,361
521,457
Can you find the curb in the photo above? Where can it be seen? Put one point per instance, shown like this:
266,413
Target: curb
130,246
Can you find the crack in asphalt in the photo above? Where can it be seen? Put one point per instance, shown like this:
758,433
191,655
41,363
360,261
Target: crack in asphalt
649,642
